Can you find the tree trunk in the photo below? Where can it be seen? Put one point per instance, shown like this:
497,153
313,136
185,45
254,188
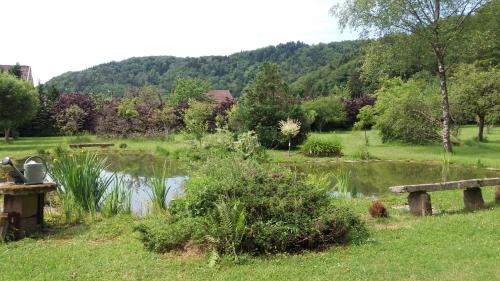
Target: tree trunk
366,138
480,136
444,102
7,134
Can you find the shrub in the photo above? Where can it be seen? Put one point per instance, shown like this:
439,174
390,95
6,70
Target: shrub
378,210
329,112
316,147
164,233
282,211
363,154
408,111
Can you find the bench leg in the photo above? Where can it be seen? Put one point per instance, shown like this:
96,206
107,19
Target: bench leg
473,198
420,203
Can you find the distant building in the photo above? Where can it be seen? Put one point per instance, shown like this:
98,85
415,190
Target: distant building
25,71
219,96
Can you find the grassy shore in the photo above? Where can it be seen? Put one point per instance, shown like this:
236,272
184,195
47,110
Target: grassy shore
450,245
470,152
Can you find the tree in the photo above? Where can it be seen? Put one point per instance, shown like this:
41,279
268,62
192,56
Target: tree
289,128
266,101
329,111
366,117
18,102
188,89
437,22
84,102
71,120
195,118
408,111
477,91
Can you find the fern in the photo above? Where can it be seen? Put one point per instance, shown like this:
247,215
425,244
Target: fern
230,222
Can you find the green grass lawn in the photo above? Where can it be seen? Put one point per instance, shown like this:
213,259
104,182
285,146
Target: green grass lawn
469,153
450,245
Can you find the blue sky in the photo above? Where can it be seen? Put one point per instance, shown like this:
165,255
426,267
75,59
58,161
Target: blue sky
55,36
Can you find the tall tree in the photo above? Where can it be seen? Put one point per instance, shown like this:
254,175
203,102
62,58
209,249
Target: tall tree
265,102
437,22
18,102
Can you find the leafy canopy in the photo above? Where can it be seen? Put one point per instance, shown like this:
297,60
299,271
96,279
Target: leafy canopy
18,101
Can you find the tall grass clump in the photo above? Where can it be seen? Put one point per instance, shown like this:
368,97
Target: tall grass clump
118,199
317,147
81,181
342,178
159,189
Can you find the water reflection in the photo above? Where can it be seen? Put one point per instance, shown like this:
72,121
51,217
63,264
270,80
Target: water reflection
374,178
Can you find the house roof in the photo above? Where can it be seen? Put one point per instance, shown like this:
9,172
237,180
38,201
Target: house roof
25,71
219,96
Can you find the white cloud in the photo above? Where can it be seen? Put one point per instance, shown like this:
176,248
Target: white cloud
58,36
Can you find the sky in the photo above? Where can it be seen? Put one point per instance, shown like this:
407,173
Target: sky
56,36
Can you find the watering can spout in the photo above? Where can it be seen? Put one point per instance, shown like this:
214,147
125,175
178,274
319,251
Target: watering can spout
7,161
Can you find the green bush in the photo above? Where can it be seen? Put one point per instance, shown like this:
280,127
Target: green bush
408,111
282,211
164,233
316,147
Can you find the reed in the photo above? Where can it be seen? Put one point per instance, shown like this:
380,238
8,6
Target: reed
81,178
159,189
342,178
118,200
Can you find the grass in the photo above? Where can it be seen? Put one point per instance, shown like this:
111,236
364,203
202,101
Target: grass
470,152
451,245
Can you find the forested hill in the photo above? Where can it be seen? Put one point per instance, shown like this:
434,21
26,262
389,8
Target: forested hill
336,62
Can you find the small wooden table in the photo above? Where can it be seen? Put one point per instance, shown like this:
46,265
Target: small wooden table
23,205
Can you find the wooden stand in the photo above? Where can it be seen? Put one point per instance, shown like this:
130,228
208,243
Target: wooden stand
23,206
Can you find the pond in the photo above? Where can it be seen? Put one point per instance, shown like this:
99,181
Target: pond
364,178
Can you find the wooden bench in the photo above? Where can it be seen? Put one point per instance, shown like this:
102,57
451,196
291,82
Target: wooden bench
420,201
82,145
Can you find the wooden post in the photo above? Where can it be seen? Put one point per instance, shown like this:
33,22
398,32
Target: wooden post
473,198
4,225
420,203
24,206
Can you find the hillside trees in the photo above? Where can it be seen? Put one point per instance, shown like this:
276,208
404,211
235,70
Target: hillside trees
435,22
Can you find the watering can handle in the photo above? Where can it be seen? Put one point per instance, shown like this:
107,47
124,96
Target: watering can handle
43,161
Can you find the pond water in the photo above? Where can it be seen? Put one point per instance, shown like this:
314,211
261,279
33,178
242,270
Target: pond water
364,178
375,178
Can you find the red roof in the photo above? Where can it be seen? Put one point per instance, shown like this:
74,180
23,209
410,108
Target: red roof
219,96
